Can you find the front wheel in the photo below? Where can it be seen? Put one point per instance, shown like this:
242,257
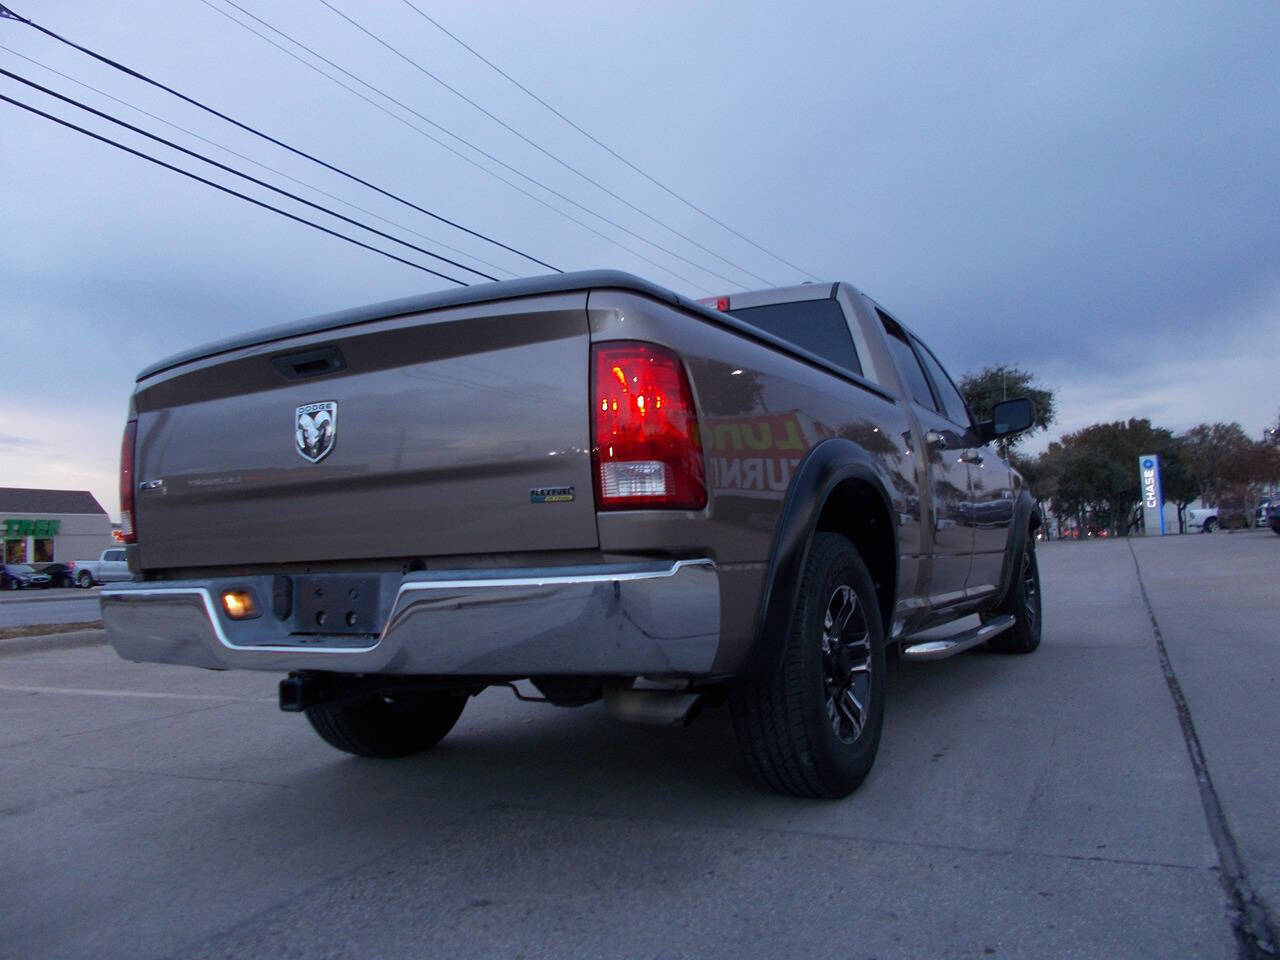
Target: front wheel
811,727
387,724
1210,525
1024,604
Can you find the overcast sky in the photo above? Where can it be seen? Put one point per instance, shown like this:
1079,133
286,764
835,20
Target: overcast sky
1090,191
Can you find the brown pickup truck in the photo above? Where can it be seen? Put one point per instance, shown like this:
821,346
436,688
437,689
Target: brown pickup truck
585,482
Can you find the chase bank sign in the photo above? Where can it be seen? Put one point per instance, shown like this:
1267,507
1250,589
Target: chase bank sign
1152,497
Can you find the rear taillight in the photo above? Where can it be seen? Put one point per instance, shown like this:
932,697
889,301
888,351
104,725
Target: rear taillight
128,527
647,449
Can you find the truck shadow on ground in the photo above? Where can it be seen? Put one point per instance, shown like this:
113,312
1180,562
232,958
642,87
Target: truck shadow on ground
503,751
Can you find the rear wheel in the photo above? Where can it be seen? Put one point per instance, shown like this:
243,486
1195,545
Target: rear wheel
387,724
1024,604
85,579
1210,525
812,726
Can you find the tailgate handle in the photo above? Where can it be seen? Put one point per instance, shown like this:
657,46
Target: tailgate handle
309,363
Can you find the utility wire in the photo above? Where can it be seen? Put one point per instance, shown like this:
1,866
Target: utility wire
445,146
237,173
234,193
568,166
256,163
6,13
603,146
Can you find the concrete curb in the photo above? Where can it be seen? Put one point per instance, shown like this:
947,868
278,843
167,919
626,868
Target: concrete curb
52,641
52,595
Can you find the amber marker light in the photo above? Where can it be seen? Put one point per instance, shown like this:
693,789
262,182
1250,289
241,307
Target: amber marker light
239,604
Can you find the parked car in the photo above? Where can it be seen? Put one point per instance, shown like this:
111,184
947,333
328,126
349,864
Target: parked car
110,567
21,576
585,482
60,574
1264,512
1273,516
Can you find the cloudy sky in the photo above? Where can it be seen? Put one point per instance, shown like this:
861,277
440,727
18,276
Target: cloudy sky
1088,191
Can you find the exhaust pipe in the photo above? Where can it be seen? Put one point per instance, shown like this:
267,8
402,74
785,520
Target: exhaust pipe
665,708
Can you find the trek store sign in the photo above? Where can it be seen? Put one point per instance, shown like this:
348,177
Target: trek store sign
31,528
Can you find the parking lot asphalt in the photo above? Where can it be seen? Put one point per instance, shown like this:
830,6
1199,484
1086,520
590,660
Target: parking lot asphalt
1038,806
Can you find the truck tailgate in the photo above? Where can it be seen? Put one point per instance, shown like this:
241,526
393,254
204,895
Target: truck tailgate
456,431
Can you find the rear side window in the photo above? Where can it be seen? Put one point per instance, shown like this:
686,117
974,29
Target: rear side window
817,326
957,412
912,374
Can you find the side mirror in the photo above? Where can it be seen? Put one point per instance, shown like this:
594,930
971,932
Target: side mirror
1007,417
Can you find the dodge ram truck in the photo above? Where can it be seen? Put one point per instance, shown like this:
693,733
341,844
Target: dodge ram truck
585,483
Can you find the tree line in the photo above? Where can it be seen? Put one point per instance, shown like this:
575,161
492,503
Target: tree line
1091,476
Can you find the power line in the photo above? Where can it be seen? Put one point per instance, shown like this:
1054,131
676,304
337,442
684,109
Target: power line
9,14
256,163
541,149
453,150
603,146
237,173
234,193
482,152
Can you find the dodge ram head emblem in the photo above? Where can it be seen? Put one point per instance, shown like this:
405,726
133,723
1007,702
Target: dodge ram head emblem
315,429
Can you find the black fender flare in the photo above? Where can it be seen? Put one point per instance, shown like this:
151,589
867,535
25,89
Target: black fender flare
1024,511
827,465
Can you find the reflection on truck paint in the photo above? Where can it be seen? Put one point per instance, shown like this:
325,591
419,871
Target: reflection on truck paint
756,456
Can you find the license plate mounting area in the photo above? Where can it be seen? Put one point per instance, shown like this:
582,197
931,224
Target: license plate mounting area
336,604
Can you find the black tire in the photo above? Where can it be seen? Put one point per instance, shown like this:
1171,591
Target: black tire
14,585
1210,525
387,725
84,579
796,725
1024,604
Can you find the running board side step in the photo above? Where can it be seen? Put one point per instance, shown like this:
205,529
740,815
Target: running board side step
950,646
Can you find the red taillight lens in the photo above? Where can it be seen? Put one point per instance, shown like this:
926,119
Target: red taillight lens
128,527
647,449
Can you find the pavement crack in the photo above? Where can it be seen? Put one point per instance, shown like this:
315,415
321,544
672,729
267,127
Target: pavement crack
1254,928
854,838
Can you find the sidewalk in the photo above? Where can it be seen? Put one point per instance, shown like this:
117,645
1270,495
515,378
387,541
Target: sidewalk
53,593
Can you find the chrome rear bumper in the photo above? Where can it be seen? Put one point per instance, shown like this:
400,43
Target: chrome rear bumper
617,619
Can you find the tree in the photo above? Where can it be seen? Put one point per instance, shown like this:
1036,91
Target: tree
1207,449
1243,478
1177,483
983,390
1097,470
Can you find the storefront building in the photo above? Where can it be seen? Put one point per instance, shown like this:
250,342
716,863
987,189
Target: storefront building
41,526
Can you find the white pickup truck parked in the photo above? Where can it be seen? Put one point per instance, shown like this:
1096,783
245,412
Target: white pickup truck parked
108,568
1206,518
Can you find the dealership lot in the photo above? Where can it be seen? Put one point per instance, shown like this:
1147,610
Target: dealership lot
1041,806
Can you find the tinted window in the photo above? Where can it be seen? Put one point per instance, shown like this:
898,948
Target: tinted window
115,554
951,399
817,326
916,384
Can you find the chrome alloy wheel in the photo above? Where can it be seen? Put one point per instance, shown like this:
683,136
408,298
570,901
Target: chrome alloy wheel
846,665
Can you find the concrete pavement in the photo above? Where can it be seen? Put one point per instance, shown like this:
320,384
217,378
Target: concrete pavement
1040,806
